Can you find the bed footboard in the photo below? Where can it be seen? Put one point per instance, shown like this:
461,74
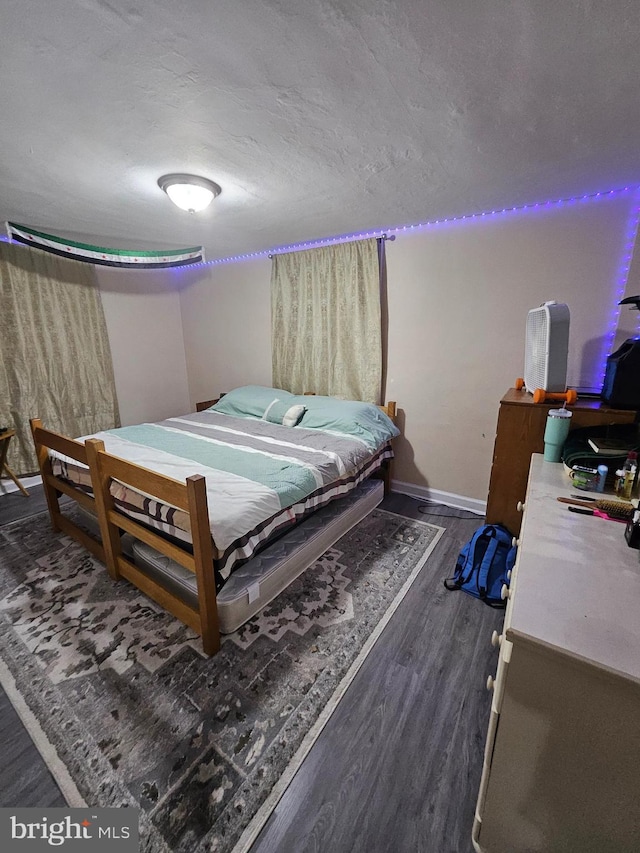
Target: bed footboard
190,497
44,440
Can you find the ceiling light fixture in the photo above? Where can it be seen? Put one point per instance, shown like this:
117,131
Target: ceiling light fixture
189,192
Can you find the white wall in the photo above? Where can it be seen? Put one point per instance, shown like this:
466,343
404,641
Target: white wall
458,296
142,312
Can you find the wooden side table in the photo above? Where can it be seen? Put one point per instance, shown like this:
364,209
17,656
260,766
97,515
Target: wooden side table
5,438
520,432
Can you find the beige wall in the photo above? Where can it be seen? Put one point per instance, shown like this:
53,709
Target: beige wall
458,300
629,320
142,311
227,327
458,296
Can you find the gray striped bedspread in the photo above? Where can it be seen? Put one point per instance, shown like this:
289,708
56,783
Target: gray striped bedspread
261,478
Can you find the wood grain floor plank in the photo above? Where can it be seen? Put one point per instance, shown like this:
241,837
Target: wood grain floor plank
25,779
398,765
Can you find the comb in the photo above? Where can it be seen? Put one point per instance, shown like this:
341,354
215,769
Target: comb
614,509
596,512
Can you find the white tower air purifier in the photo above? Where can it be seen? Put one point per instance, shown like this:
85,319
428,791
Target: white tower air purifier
546,348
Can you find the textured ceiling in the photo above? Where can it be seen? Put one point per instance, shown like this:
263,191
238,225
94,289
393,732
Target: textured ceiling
316,117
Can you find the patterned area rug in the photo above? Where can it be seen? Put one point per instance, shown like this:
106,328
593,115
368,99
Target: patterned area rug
130,711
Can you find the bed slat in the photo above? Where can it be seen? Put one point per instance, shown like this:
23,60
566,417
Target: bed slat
60,443
71,529
160,595
139,531
162,488
71,491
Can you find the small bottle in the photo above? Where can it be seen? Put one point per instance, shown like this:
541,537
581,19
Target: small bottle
628,478
602,477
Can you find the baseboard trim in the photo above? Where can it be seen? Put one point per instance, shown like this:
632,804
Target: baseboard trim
7,485
437,496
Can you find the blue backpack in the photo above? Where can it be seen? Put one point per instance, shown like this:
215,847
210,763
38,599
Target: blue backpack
483,564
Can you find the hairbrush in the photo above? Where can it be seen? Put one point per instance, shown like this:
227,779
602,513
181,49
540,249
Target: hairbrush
597,512
614,509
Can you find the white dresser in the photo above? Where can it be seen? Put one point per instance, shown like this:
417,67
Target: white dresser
562,758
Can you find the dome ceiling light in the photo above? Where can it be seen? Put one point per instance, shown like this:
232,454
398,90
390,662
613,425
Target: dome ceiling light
189,192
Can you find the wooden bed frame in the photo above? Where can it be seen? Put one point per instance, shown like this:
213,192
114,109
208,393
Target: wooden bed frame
190,496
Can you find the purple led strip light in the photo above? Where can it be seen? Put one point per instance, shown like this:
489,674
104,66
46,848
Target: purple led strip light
399,229
622,278
622,275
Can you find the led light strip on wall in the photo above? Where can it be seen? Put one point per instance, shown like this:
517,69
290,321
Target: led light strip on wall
423,226
622,278
182,261
621,275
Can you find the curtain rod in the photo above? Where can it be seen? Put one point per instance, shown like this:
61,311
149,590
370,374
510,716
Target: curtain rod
318,244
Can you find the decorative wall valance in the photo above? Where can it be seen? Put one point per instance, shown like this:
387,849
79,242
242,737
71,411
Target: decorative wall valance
128,258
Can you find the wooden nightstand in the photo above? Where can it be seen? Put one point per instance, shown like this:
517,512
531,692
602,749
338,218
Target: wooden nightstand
5,438
520,433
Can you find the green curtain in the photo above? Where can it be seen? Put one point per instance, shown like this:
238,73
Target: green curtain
55,355
326,321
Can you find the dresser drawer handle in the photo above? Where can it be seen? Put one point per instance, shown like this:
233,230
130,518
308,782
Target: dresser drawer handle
520,506
504,592
496,639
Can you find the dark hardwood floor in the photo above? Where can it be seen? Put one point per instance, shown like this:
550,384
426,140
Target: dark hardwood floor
397,767
25,778
15,505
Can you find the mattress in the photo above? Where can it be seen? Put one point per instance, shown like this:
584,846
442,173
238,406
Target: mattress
252,586
261,478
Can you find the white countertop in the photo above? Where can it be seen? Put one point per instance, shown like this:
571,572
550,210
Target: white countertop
578,583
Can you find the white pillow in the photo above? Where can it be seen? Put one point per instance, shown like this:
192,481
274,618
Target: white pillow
280,412
293,415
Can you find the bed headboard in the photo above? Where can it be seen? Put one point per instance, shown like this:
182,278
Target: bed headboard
390,409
